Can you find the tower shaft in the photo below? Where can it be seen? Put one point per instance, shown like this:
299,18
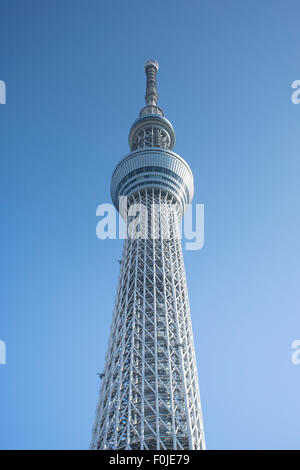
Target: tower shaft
150,397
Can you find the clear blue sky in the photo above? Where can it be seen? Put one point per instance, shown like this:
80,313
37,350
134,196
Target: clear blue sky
75,83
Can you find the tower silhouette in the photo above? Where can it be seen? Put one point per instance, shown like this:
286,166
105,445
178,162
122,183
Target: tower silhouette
149,397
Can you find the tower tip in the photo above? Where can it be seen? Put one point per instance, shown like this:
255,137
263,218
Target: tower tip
151,68
151,62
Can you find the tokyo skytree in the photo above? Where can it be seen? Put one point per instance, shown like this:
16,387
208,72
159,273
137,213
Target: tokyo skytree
149,397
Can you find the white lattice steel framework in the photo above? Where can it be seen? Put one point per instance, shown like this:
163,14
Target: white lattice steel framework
150,397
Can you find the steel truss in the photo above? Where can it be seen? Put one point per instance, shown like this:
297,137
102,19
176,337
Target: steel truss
149,396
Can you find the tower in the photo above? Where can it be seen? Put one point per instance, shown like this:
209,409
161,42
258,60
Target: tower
149,396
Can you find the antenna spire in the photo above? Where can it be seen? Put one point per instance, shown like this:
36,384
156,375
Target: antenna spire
151,68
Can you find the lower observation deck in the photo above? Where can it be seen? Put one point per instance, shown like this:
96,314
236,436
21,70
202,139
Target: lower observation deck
153,168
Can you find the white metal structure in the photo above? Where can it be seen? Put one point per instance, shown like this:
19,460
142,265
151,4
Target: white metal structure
149,397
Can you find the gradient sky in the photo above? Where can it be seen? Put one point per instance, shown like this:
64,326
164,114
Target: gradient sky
75,83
